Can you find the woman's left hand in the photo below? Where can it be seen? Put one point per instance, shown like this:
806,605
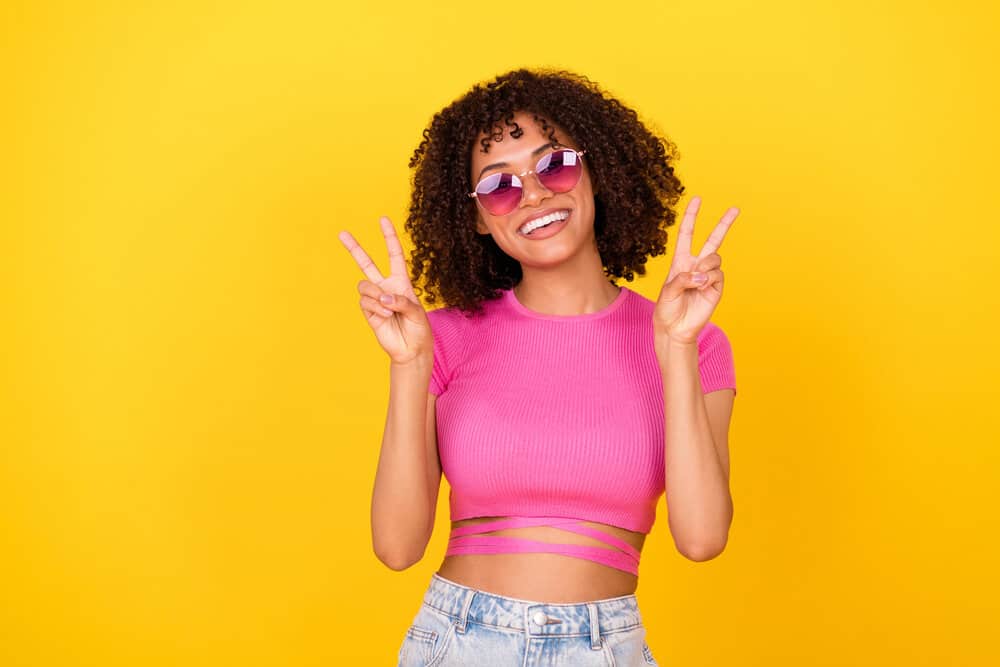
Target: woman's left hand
684,305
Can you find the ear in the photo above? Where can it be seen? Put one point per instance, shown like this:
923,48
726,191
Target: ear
481,226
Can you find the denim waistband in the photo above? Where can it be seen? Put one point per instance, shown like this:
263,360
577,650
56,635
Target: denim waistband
595,618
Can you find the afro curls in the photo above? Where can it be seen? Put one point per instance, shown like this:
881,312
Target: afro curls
631,170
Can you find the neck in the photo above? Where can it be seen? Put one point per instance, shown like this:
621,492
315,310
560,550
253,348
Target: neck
575,287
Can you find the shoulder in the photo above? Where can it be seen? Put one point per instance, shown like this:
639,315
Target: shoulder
452,326
711,335
445,316
454,332
448,318
447,323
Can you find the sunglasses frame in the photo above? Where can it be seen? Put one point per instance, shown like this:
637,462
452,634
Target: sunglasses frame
520,177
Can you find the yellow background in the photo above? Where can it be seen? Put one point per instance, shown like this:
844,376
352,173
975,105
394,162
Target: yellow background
192,403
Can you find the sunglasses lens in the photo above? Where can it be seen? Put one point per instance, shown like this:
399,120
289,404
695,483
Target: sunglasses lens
560,171
499,193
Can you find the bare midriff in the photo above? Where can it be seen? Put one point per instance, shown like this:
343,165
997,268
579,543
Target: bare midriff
543,577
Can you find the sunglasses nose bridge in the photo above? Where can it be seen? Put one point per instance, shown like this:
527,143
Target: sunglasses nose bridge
536,191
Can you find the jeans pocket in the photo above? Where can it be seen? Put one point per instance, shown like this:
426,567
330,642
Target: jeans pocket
426,638
629,647
418,647
648,654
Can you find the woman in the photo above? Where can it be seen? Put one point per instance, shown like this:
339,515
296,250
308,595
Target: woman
559,405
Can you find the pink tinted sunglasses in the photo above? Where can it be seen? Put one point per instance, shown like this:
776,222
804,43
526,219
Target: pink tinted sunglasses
558,171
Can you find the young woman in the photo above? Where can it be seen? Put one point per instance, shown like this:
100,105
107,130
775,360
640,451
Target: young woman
559,405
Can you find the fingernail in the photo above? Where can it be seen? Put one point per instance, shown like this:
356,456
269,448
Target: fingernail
699,278
385,298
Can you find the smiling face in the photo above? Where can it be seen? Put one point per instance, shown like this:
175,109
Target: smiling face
562,239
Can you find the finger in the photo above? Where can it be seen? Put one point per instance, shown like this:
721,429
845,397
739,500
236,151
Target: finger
402,305
361,257
675,287
368,288
373,306
710,262
686,231
397,262
719,233
712,278
374,319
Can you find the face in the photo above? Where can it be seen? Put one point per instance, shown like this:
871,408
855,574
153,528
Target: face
557,242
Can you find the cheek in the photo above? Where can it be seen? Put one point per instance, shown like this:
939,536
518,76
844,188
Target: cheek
587,206
488,225
587,199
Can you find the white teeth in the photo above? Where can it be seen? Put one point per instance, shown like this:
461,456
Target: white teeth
544,220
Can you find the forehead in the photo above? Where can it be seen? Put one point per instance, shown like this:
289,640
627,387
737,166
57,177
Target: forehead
517,148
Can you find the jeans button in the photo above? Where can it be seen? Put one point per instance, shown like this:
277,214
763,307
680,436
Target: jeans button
539,618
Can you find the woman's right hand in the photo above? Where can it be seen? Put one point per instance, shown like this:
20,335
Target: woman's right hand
401,326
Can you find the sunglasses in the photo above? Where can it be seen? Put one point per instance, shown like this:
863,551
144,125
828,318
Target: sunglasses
558,171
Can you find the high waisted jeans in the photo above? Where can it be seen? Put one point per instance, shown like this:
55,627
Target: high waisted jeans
458,625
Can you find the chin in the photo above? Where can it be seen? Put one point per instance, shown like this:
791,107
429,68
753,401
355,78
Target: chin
549,257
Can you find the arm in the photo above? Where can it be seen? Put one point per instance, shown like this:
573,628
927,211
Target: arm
408,476
409,473
696,426
696,456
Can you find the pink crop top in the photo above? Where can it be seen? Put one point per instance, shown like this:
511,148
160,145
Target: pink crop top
551,420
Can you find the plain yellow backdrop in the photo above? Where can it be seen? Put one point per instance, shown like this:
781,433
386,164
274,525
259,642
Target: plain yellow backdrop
193,404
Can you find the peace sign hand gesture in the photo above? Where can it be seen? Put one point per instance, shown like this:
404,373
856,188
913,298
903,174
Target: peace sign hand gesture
685,305
400,324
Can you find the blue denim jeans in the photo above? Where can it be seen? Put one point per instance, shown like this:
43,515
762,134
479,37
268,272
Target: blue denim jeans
458,625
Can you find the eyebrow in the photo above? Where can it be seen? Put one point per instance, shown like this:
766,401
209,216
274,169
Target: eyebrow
534,153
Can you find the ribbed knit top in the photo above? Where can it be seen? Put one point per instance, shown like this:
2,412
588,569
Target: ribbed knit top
557,416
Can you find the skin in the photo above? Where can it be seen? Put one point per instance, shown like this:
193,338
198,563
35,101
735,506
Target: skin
562,275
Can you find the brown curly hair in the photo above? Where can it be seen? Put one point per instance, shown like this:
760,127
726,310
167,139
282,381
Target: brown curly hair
635,188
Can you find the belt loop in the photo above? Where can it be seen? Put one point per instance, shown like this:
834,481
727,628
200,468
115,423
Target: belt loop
463,616
595,627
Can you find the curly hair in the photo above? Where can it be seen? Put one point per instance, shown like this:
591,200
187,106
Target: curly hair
635,188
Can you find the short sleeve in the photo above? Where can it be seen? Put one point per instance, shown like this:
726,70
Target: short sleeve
445,327
715,359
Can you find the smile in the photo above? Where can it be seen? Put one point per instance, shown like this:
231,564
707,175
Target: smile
548,223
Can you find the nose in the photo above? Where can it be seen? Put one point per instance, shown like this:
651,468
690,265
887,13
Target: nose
534,191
